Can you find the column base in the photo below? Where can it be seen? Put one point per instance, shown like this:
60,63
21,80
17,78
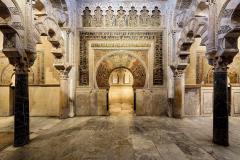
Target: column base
21,143
178,116
220,131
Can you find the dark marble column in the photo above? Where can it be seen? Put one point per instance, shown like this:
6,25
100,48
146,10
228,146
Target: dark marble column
107,97
134,100
21,108
179,92
220,108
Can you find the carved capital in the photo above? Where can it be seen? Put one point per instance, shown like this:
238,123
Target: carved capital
63,69
177,71
211,2
220,64
63,74
68,31
21,67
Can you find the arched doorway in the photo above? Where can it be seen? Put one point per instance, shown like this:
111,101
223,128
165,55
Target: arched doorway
121,94
108,66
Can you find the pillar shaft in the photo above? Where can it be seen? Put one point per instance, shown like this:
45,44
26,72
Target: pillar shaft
64,100
179,92
220,108
211,47
21,108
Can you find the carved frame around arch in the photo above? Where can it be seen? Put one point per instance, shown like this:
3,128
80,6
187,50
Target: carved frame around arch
144,84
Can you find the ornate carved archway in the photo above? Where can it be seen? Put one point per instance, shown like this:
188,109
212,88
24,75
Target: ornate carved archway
195,28
87,36
229,31
121,60
11,25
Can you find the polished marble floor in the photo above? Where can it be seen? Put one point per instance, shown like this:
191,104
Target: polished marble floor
121,137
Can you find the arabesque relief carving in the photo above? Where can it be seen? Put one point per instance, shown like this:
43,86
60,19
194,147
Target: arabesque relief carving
121,35
120,18
109,18
156,17
121,60
144,17
97,18
87,17
132,18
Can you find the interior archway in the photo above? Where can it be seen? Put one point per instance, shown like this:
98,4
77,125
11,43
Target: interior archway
135,68
120,60
121,94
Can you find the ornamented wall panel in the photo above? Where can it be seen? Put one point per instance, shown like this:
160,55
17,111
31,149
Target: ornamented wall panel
103,74
110,36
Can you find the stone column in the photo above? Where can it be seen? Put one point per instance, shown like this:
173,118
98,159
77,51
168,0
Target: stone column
179,92
134,100
220,108
64,99
63,70
21,107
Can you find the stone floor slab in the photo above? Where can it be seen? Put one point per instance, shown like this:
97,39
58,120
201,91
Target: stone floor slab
123,137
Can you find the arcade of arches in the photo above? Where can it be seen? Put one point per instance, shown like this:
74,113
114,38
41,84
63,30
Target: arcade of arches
148,75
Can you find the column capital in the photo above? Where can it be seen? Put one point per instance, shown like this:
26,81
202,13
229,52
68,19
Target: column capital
68,31
221,64
63,70
21,69
177,71
63,74
211,2
21,65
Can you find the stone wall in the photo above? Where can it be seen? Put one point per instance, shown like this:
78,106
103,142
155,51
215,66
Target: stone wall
5,104
151,102
91,102
198,100
192,100
44,100
235,101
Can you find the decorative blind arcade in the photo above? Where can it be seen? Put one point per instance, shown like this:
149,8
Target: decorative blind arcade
122,18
